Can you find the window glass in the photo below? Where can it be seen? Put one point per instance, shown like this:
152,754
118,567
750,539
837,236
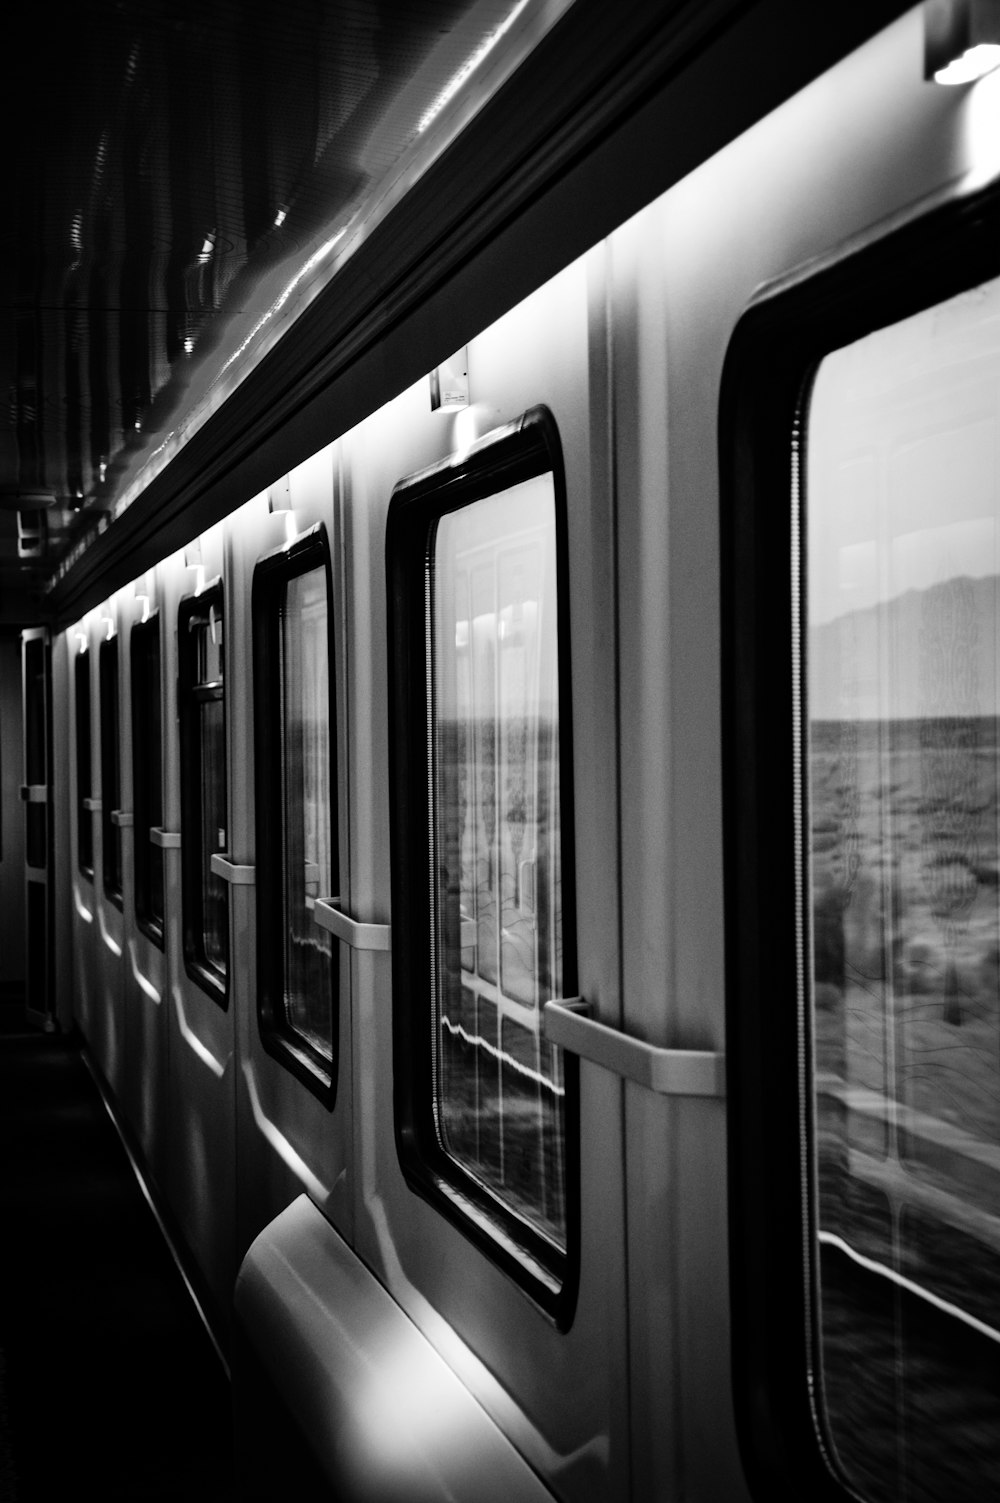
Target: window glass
147,773
203,787
110,769
900,832
84,819
296,811
34,673
212,793
35,749
495,877
305,779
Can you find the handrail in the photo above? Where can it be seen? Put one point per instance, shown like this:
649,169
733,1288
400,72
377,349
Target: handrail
669,1072
327,913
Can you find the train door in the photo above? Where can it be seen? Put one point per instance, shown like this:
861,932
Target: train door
145,968
295,1103
35,791
200,1150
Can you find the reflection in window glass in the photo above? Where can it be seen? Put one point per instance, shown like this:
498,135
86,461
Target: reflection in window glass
110,769
214,906
35,749
34,676
84,818
203,787
902,522
147,780
305,781
496,950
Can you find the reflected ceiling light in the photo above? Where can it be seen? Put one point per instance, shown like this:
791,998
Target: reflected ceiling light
280,218
961,40
469,67
188,344
304,271
465,432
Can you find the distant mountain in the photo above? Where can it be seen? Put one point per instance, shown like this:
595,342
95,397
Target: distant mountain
925,653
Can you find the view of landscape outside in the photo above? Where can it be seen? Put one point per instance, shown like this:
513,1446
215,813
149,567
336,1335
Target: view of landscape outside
496,849
901,529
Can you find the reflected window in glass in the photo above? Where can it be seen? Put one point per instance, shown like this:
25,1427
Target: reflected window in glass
201,675
495,874
110,770
36,752
305,778
84,818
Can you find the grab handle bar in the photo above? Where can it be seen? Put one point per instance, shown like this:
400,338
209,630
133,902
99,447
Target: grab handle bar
327,913
232,872
669,1072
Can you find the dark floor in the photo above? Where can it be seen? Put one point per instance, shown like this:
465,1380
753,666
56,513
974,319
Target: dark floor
109,1384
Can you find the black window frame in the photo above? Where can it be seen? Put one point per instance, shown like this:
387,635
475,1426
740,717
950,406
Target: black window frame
520,451
190,694
770,366
304,554
112,869
83,761
147,768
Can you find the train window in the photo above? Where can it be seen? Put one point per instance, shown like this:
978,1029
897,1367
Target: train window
36,757
84,820
147,775
296,804
482,916
863,869
201,707
107,665
901,823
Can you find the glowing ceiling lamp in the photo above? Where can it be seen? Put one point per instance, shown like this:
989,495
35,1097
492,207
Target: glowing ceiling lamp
961,40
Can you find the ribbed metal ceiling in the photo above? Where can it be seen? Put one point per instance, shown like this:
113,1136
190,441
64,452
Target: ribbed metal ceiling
170,160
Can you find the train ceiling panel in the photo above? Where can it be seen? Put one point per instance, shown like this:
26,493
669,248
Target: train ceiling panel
175,161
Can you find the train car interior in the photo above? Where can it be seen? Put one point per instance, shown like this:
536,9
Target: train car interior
500,752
